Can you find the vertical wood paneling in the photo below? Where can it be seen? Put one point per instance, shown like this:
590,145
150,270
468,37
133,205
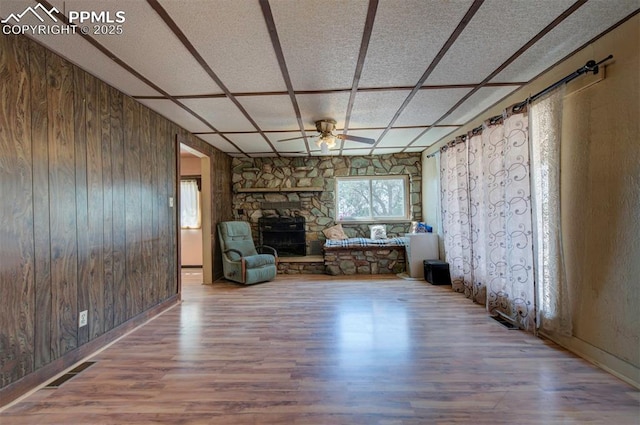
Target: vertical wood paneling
40,150
146,183
62,206
95,204
133,207
88,173
82,213
119,215
107,202
16,231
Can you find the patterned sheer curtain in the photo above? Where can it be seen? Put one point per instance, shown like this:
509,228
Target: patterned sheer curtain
487,219
508,221
552,289
455,215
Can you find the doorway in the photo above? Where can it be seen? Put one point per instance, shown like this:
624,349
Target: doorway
195,217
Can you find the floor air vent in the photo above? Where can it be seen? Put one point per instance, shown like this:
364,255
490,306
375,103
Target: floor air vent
73,372
504,322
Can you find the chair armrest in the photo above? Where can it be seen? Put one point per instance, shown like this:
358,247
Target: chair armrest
234,251
269,248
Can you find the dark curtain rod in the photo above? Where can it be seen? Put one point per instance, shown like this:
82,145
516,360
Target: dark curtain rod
590,66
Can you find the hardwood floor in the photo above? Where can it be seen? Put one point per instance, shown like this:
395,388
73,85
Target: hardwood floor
320,350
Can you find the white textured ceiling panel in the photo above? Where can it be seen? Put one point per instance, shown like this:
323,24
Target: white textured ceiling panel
493,35
429,105
250,142
320,40
79,51
406,37
399,137
372,108
433,135
314,107
414,149
220,112
218,142
150,47
354,152
477,104
273,112
583,25
232,37
288,145
175,113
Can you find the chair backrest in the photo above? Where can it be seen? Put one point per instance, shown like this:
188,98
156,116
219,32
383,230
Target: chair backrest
236,235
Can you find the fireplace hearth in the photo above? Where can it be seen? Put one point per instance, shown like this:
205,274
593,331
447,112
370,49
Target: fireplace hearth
285,234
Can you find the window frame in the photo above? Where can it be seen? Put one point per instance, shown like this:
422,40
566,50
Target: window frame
373,219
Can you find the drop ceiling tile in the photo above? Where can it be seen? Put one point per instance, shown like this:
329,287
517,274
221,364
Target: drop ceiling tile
372,109
353,152
399,137
80,52
314,107
271,113
427,106
494,34
320,40
150,47
250,142
475,106
296,145
406,37
583,25
386,151
234,41
175,113
416,149
220,112
433,135
218,142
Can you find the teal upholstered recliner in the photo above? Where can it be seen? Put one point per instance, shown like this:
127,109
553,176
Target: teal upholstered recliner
241,262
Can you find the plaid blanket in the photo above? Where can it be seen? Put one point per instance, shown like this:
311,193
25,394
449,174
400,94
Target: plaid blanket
364,242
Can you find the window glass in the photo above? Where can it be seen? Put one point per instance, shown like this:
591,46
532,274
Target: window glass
371,198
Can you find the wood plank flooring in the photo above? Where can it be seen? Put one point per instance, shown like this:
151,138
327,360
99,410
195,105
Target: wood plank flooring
320,350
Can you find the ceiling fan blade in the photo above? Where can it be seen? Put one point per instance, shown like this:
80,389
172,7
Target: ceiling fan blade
356,139
292,138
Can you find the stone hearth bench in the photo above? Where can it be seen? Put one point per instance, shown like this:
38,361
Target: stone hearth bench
364,256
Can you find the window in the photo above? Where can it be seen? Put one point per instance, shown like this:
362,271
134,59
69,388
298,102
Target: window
372,198
189,204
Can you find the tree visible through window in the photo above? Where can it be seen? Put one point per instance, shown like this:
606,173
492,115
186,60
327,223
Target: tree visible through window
371,198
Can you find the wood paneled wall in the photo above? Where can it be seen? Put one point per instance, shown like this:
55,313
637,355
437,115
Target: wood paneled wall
85,179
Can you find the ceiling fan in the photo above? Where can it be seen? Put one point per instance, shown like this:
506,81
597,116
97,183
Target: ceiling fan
326,138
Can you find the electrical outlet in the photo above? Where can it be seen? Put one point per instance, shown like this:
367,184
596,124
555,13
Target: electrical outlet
82,320
171,201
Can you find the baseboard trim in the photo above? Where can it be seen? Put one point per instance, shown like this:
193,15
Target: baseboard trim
605,361
16,389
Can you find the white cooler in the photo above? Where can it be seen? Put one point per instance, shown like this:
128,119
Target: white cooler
420,247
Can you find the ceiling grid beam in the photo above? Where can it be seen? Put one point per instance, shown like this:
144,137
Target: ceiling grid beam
364,46
447,45
277,48
139,76
564,15
198,57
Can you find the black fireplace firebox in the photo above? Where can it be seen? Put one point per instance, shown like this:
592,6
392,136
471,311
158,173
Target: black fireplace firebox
285,234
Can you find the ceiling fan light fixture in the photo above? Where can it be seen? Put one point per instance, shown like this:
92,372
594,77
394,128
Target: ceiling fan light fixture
326,140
